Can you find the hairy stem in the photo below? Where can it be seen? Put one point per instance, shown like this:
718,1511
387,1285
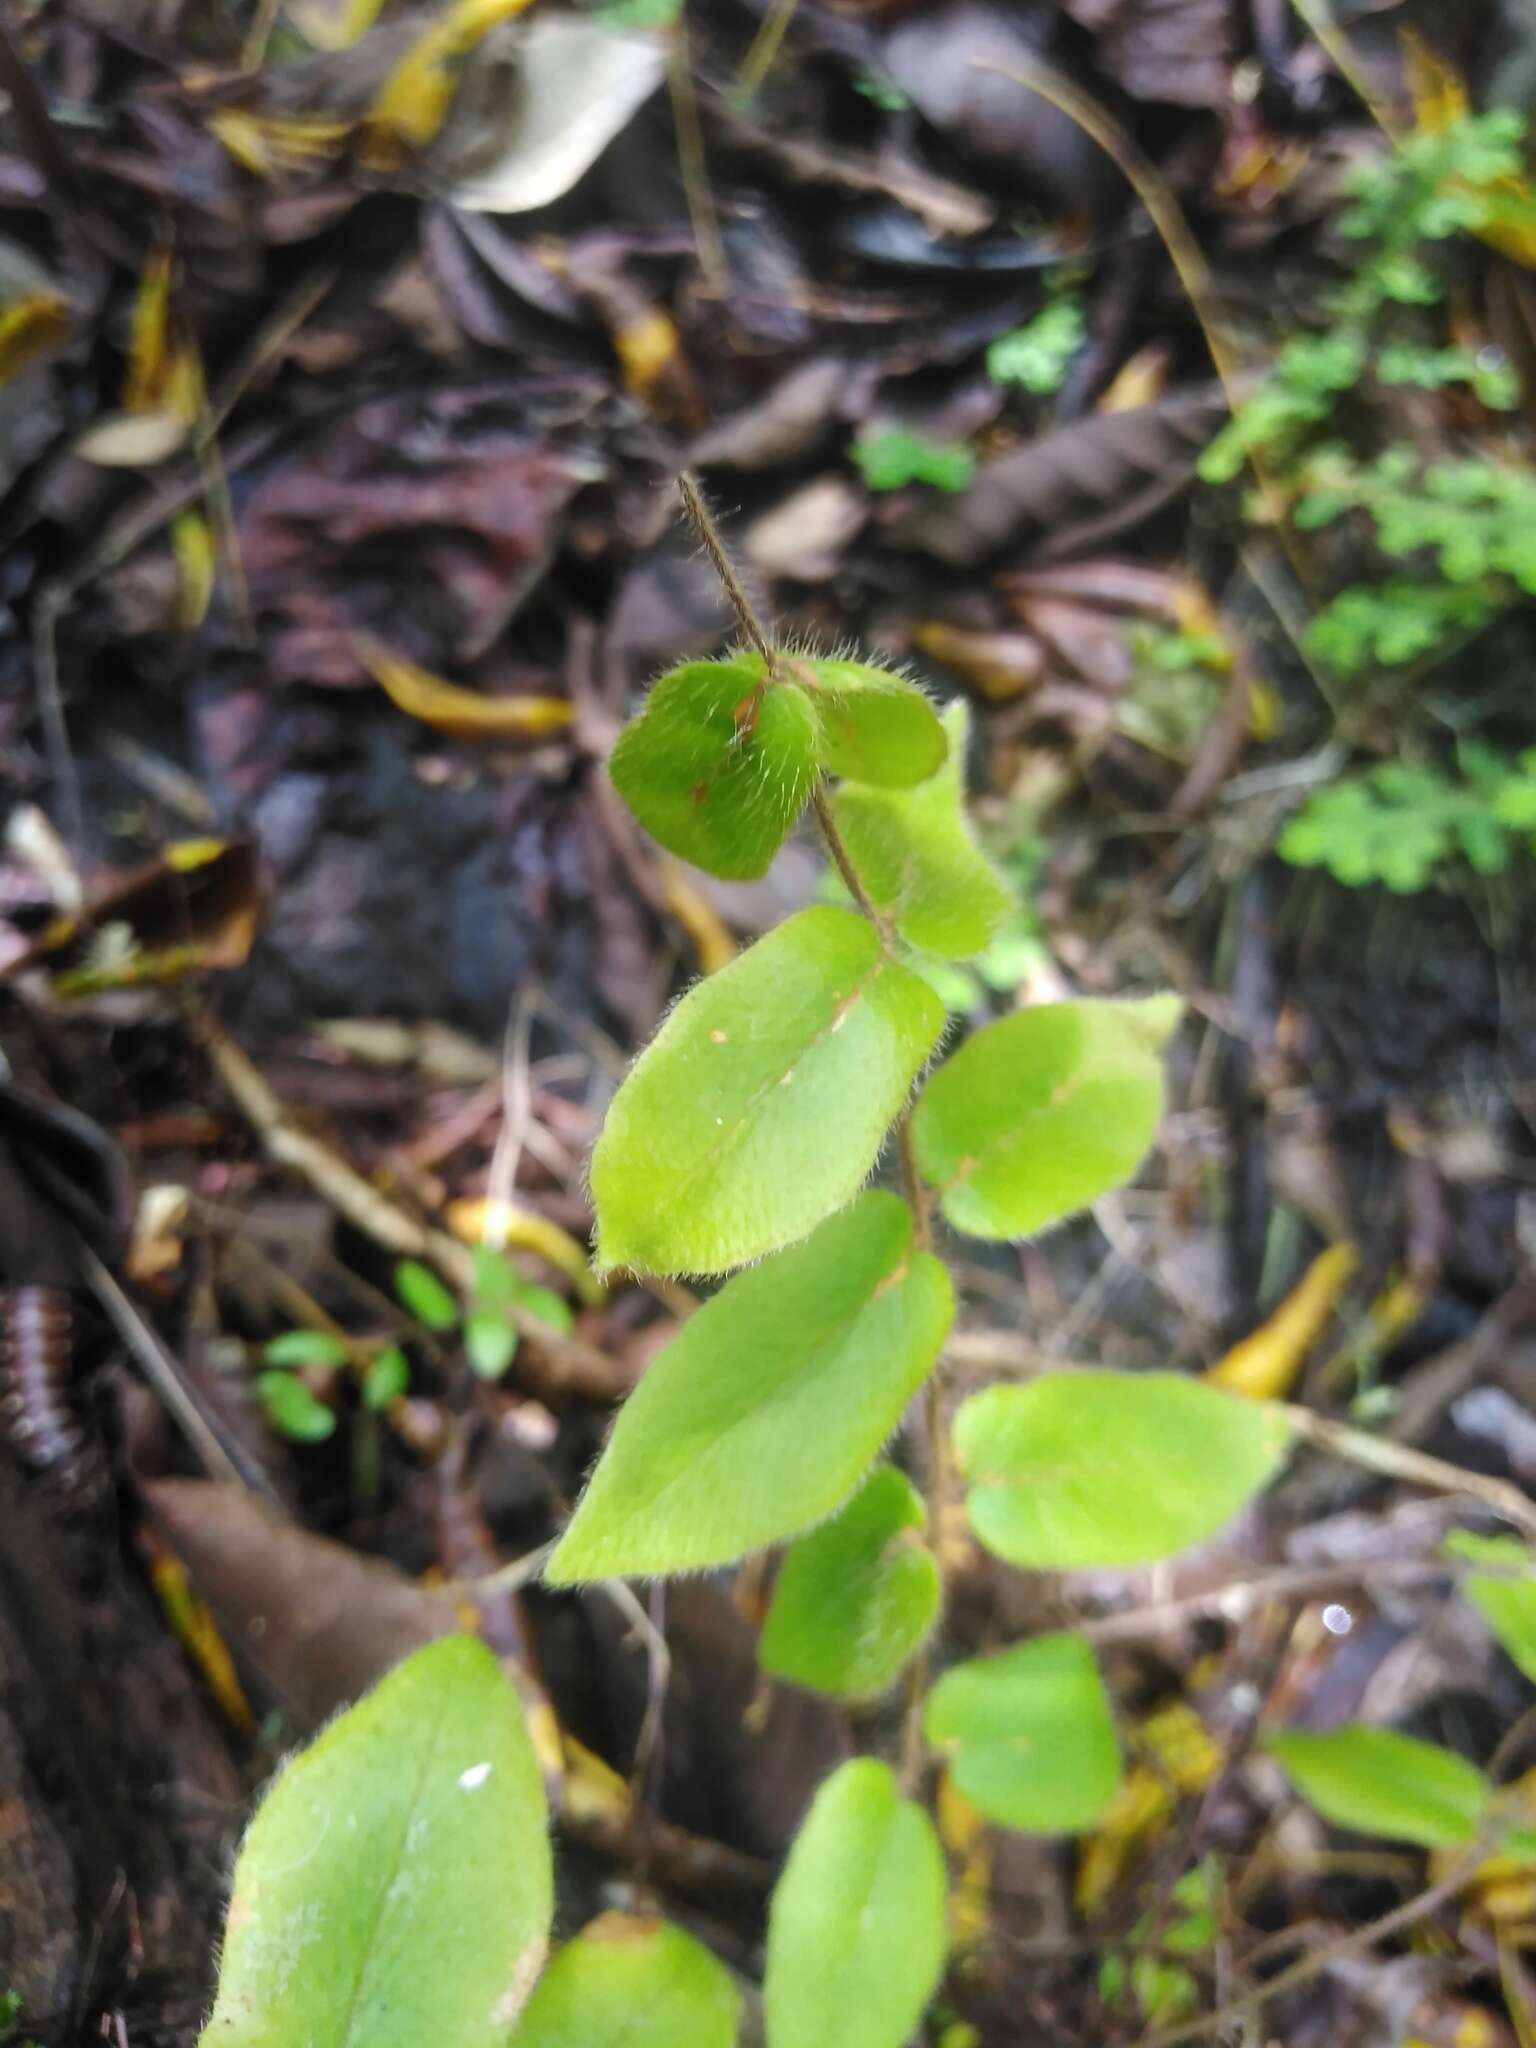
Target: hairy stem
841,859
703,522
917,1193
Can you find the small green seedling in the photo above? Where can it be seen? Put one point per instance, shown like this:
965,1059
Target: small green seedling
1039,354
890,461
487,1326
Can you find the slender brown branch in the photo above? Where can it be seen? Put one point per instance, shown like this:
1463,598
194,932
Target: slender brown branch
918,1192
703,521
1239,1598
1399,1461
1317,1960
766,44
1423,1903
693,165
1317,17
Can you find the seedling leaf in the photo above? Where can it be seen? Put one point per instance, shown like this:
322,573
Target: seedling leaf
718,767
763,1100
764,1413
394,1887
1030,1734
1109,1468
915,853
855,1597
628,1982
1383,1783
856,1932
1043,1112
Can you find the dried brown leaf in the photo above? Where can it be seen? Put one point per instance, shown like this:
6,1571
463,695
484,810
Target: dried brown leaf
320,1621
1176,50
1074,488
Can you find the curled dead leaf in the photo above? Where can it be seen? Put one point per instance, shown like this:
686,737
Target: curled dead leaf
1000,665
414,100
1264,1366
1074,487
463,714
578,85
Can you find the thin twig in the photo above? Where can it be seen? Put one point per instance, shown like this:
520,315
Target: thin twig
1317,16
516,1115
1194,273
1239,1598
704,526
220,1458
574,1367
1318,1960
1155,194
693,165
259,34
764,51
1399,1461
50,705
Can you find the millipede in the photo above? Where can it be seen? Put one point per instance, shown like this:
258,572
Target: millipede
37,1409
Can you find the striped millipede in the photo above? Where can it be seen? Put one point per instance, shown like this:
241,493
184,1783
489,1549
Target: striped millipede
36,1397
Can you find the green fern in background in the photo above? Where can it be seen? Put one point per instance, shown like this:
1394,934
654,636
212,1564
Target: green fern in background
1400,823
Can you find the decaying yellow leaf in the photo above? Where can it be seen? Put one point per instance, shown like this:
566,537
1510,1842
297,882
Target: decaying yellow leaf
1264,1366
164,394
195,907
165,373
269,145
592,1791
1436,89
1502,1888
706,929
1439,97
1141,380
196,562
191,1622
1177,1756
475,1220
414,100
1001,664
334,24
966,1836
464,714
149,337
650,353
29,328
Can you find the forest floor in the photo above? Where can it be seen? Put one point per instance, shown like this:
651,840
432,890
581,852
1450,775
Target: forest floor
343,402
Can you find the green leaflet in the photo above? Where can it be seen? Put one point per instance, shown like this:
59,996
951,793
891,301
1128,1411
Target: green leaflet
1030,1734
916,855
1043,1112
305,1347
856,1930
627,1982
855,1597
1506,1603
766,1410
1384,1783
762,1101
716,771
1104,1468
874,725
394,1887
424,1296
292,1409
